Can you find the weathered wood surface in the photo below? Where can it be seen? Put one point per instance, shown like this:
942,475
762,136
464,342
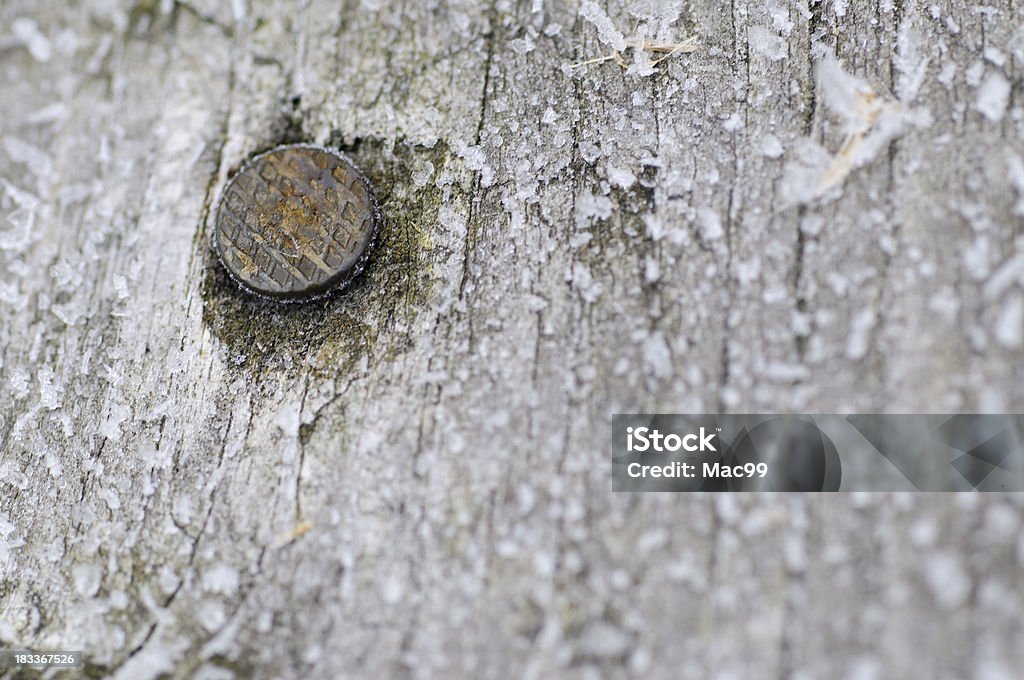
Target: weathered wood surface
411,479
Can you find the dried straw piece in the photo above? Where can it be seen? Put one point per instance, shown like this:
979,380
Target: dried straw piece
654,46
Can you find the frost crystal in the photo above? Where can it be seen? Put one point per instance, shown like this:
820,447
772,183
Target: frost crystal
846,95
35,159
771,147
661,14
910,62
221,579
26,32
589,289
657,356
621,177
993,96
22,220
7,527
606,31
603,640
766,43
50,395
476,160
523,45
422,174
1015,167
111,427
780,18
1009,327
87,579
590,207
860,331
710,224
949,582
121,286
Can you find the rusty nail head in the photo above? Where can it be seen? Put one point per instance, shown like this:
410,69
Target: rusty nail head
296,222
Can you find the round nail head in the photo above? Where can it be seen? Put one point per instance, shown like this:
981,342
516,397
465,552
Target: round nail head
296,222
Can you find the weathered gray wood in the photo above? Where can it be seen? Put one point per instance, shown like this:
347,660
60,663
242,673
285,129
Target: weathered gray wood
411,479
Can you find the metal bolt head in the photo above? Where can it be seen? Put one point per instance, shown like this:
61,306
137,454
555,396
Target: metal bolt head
296,222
